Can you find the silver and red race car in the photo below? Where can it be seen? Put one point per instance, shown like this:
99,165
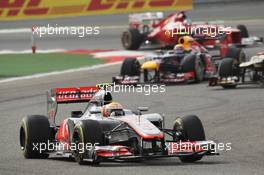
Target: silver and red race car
102,133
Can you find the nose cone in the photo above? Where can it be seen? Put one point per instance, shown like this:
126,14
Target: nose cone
150,65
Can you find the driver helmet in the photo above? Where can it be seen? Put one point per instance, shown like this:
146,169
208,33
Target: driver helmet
112,109
179,50
186,42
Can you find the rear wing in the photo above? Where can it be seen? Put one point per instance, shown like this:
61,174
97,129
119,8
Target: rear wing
67,95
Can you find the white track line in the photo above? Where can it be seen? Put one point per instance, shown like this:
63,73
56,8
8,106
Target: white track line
3,52
58,72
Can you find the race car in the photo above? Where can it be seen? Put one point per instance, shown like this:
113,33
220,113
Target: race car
152,28
231,73
105,131
188,62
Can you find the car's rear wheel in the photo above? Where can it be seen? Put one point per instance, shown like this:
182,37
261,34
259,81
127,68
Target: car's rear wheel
243,30
191,63
237,54
87,132
199,70
132,39
192,130
130,67
34,132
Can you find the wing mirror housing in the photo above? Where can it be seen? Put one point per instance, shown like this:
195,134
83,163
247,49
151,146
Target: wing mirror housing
143,109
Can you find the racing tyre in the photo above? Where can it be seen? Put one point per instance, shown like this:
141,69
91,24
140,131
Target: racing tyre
237,54
188,63
192,129
191,63
199,70
34,130
243,30
227,69
87,132
130,67
132,39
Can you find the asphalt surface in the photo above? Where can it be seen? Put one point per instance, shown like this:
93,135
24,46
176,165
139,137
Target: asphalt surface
234,116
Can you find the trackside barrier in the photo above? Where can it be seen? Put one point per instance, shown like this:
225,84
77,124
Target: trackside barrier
39,9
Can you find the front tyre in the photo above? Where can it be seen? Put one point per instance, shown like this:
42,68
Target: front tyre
87,132
192,130
227,69
34,130
130,67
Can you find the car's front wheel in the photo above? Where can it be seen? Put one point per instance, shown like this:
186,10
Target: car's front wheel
87,133
192,130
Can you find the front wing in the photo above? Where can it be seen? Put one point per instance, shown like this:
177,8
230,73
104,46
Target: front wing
173,149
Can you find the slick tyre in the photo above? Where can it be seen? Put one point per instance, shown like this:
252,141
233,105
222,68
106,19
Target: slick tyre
131,39
227,69
87,132
130,67
237,54
199,70
191,63
34,130
243,30
192,129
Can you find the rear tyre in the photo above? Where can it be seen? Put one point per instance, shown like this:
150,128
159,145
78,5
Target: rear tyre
199,70
192,129
34,130
227,69
132,39
191,63
243,30
87,132
130,67
237,54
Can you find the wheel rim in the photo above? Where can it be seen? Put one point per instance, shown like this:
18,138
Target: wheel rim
126,40
22,139
77,140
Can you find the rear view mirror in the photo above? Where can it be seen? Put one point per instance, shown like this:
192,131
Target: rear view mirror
76,114
143,109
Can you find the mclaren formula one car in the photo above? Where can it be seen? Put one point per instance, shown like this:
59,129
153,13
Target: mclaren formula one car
230,73
106,131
